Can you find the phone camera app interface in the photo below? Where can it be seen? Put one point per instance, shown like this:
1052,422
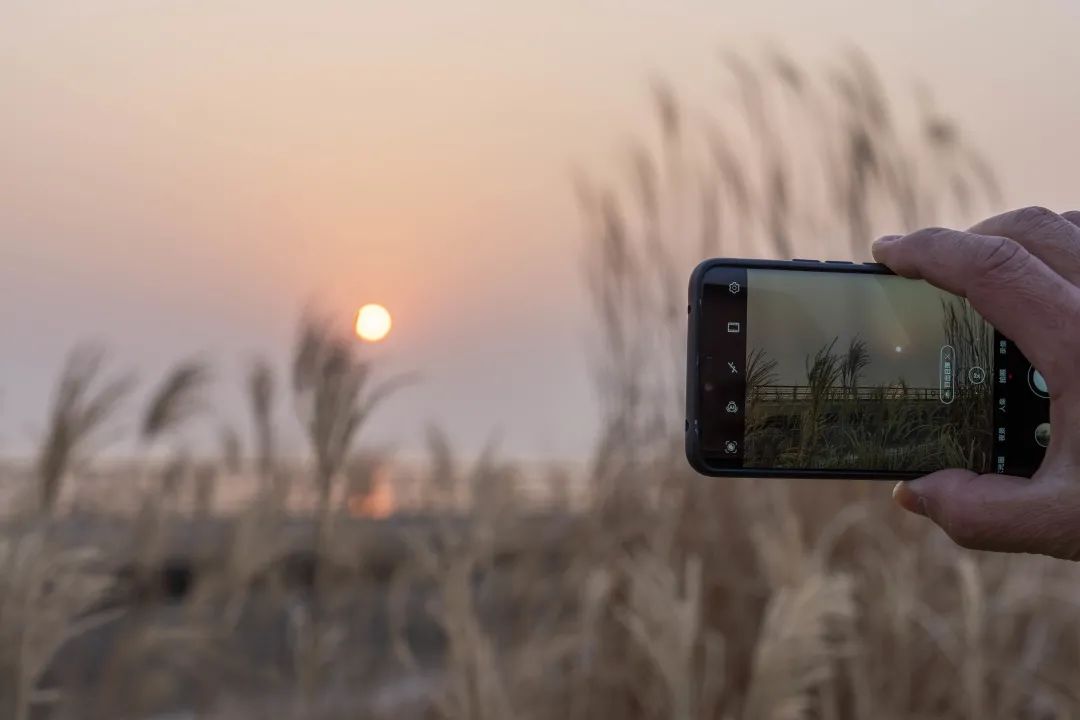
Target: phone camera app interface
817,370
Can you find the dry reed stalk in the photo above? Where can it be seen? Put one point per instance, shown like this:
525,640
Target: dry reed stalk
334,397
46,594
802,637
81,406
973,609
474,685
177,399
664,617
261,399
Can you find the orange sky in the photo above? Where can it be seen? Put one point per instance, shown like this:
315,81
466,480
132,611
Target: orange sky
181,177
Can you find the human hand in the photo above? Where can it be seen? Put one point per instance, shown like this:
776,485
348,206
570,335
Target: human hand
1021,272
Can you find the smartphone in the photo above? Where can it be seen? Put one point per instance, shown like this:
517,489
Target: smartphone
831,369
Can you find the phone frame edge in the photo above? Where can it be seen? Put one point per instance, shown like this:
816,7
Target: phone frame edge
694,454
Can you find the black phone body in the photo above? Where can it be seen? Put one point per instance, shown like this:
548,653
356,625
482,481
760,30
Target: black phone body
832,369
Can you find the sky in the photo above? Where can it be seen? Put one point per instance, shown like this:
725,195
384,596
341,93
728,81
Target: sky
182,178
792,315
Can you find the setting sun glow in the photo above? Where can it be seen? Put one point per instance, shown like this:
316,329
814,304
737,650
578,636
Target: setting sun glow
372,323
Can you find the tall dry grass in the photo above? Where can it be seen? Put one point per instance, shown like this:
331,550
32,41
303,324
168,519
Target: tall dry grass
79,409
659,595
792,162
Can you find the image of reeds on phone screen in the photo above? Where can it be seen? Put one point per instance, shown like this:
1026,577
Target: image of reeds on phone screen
872,373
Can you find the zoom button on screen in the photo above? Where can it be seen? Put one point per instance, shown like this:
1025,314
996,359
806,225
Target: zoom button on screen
946,374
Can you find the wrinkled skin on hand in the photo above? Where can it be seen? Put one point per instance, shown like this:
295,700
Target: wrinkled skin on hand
1021,271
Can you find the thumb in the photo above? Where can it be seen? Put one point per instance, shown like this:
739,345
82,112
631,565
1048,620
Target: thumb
997,512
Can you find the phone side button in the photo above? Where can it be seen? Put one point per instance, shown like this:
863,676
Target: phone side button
804,260
839,262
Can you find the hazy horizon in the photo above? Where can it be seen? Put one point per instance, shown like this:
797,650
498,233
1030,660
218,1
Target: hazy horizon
184,179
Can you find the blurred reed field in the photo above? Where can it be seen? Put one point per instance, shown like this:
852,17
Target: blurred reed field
346,584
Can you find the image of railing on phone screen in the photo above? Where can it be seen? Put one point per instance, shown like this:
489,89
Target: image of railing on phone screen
841,413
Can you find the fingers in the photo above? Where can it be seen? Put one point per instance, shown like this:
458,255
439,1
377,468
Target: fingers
998,512
1052,238
1072,216
1011,288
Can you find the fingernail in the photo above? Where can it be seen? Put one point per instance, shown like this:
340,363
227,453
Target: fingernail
908,499
885,240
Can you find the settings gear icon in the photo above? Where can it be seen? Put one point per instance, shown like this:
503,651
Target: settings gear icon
734,288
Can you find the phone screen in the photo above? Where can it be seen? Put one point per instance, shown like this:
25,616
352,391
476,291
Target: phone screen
834,370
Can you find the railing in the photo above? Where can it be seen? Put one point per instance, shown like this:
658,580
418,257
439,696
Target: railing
787,393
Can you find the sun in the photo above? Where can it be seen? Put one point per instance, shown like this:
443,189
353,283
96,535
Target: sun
372,322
